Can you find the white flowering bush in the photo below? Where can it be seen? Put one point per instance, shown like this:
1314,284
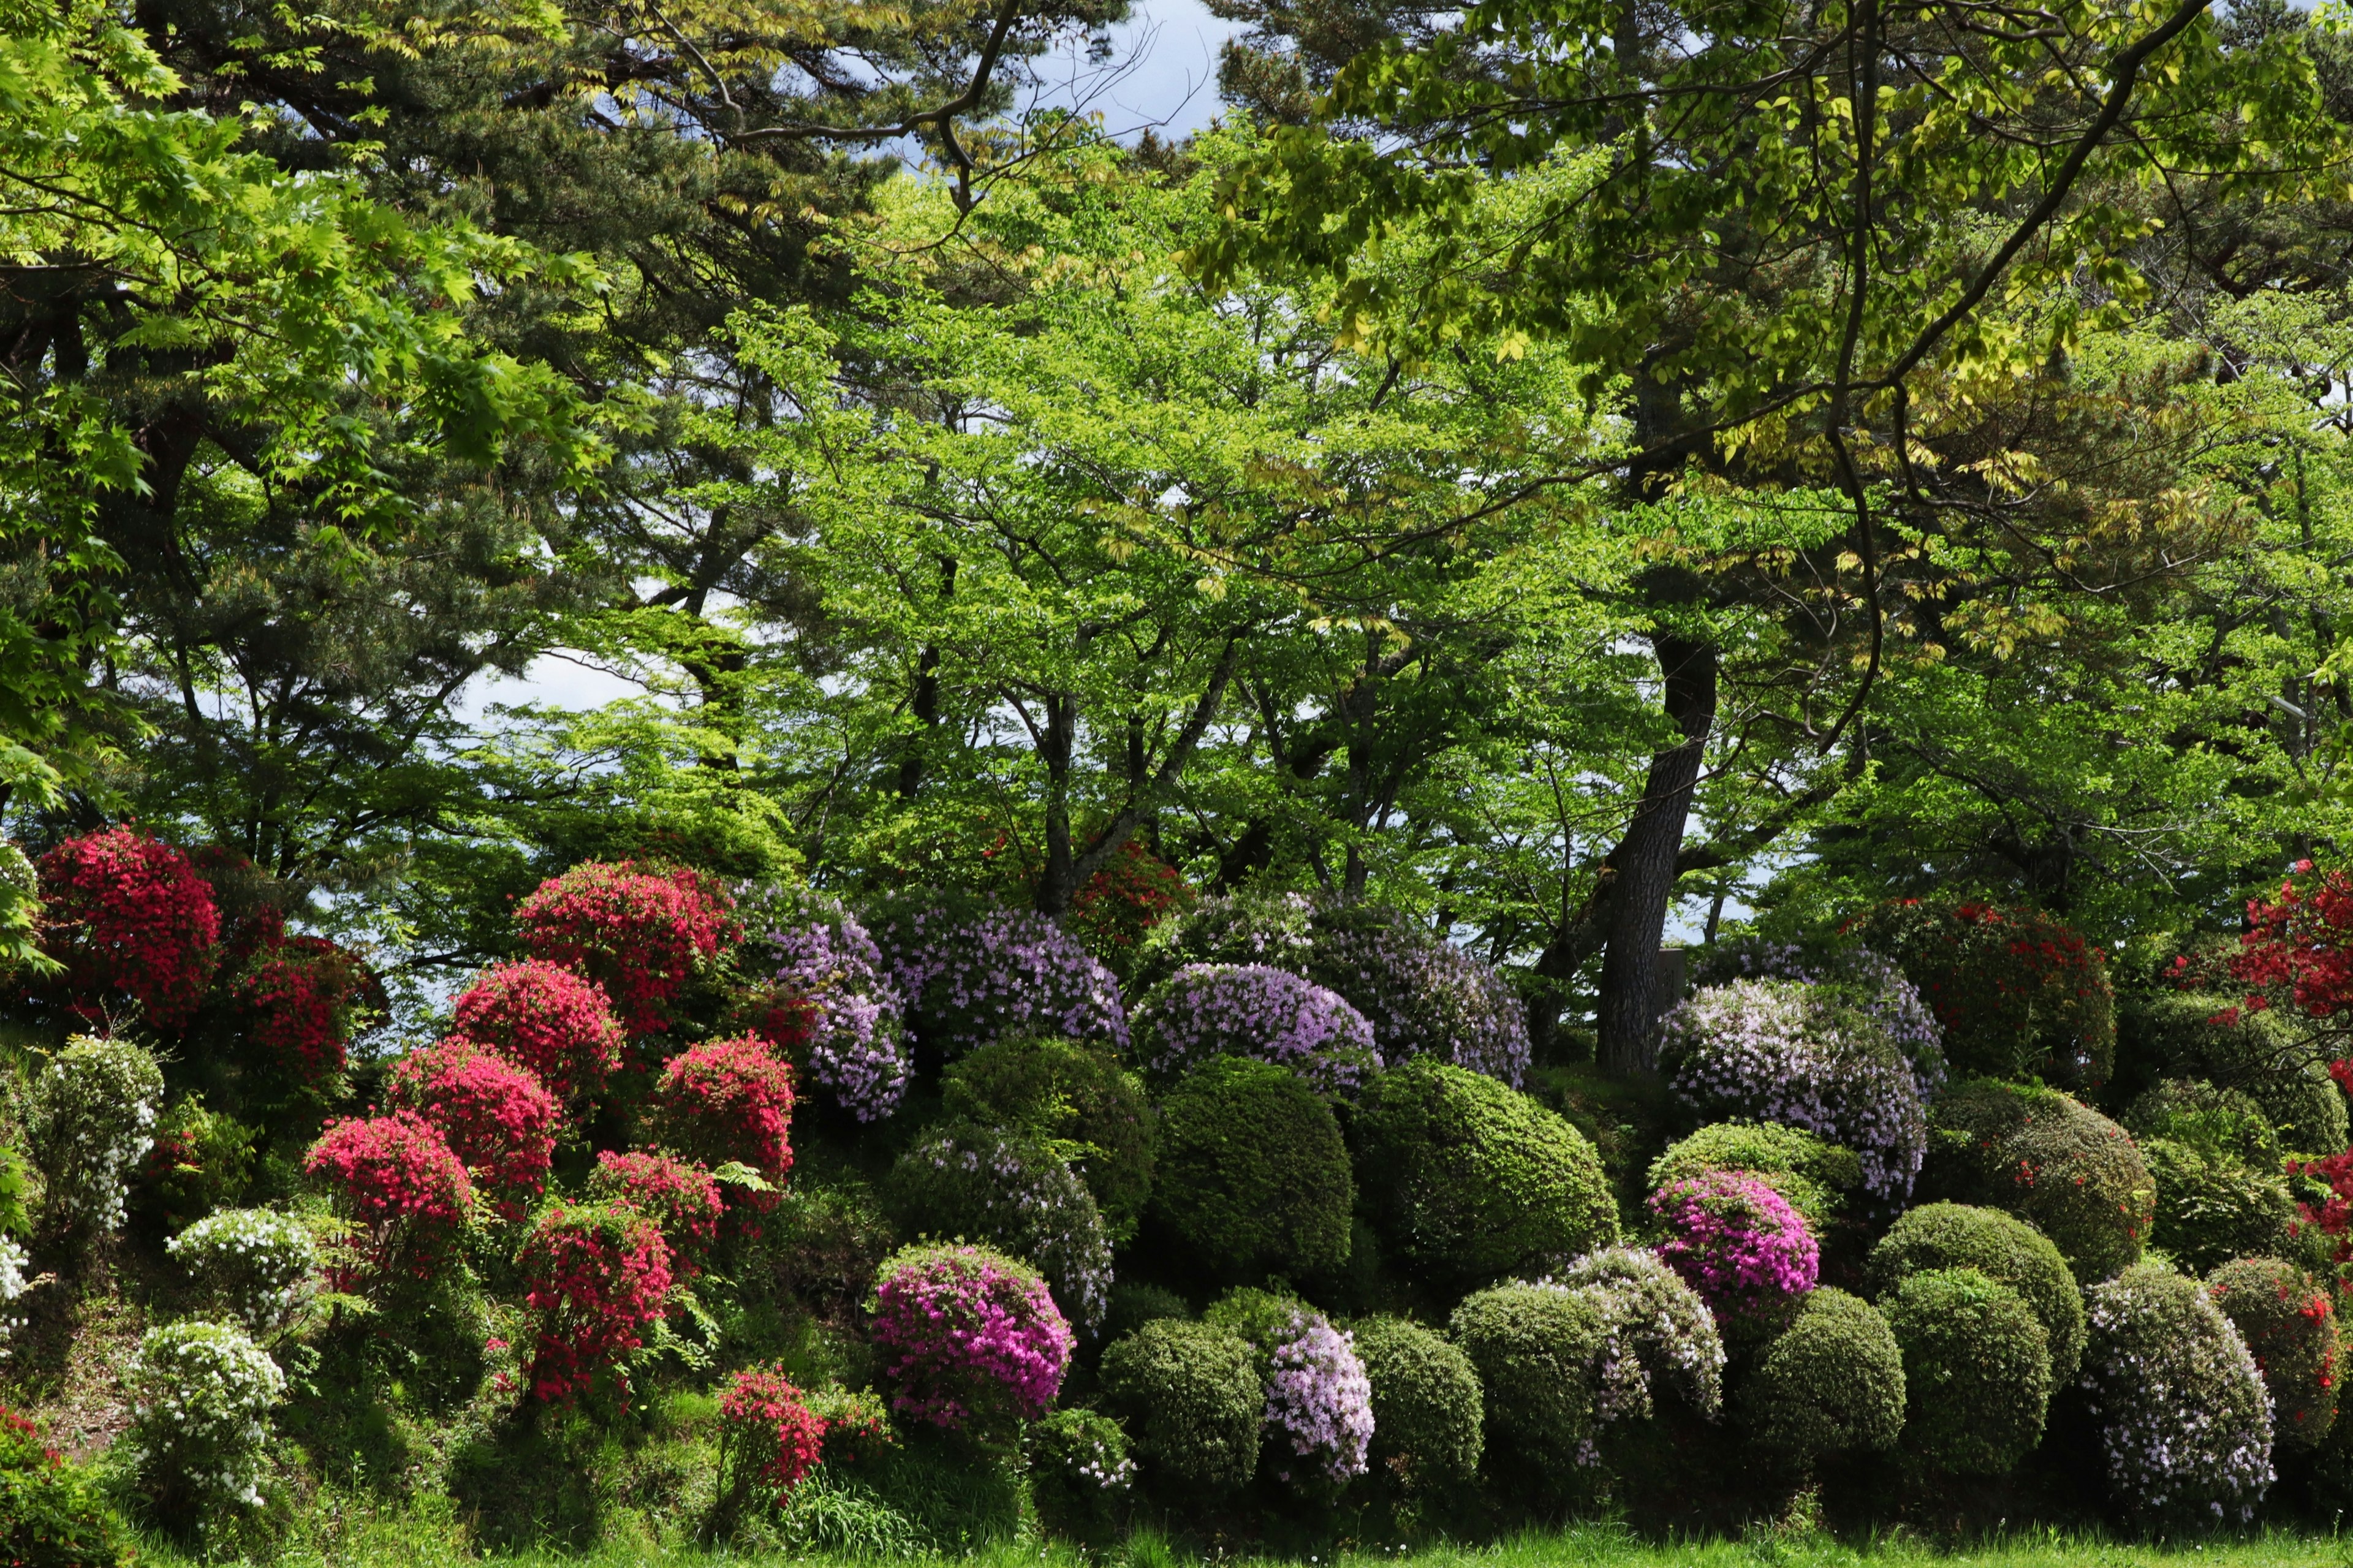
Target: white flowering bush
1008,1189
1655,1330
1873,983
12,1284
1079,1471
202,1393
251,1263
2184,1419
92,1121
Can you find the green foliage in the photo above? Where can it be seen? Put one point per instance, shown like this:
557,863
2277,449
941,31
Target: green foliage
2019,993
90,1123
1190,1396
2291,1329
1254,1175
1533,1348
2208,1034
2211,1207
1976,1372
2049,1158
1076,1096
2003,1248
1469,1180
1135,1304
1832,1382
202,1161
1428,1411
1078,1472
1815,1174
986,1184
2208,1118
1248,927
53,1514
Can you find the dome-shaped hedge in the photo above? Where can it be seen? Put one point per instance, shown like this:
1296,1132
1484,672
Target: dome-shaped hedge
2212,1208
1076,1095
2209,1035
1253,1173
1207,1010
1428,1410
1812,1172
1000,1186
1190,1396
1832,1383
2289,1324
1469,1180
1534,1347
1976,1372
2050,1160
2002,1247
1870,982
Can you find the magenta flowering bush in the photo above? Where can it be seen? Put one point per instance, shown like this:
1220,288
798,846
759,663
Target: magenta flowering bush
975,973
1872,982
1737,1243
1207,1010
1319,1403
1014,1192
970,1339
831,1005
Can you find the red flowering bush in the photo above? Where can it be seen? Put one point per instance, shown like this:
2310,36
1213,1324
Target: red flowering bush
543,1017
2019,992
641,933
302,999
1119,905
2290,1327
398,1177
598,1276
726,1099
682,1198
127,916
767,1433
498,1117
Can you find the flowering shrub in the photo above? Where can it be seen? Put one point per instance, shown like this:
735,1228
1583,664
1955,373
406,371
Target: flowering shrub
972,974
971,1339
302,999
543,1017
726,1099
1814,1173
1739,1243
53,1514
496,1116
2005,1250
13,1283
201,1396
1080,1099
2184,1420
1009,1191
1774,1050
2289,1324
1976,1366
1079,1469
1833,1381
1117,907
1319,1406
1207,1010
2017,992
682,1199
830,1002
127,916
1535,1348
251,1263
1271,929
597,1274
1870,982
2052,1161
199,1162
92,1121
1423,995
2212,1208
1655,1330
766,1432
639,932
2295,949
398,1177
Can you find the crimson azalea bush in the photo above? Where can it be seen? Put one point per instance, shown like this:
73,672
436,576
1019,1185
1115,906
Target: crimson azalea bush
598,1276
543,1017
302,999
767,1432
682,1198
498,1117
1738,1244
641,932
726,1099
2290,1326
400,1180
2019,992
129,917
1117,907
971,1338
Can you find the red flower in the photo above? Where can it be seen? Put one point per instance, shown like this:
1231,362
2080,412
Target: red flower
598,1276
727,1100
498,1117
543,1017
129,916
302,998
680,1197
639,932
398,1177
768,1430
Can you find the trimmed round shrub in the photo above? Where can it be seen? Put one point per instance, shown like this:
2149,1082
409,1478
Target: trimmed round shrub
201,1396
1423,995
1534,1347
1874,985
1739,1244
1078,1096
544,1017
1775,1050
682,1198
726,1100
1976,1371
2207,1035
973,974
1271,928
641,932
1319,1407
1254,1175
2185,1422
970,1338
398,1178
825,998
129,918
1009,1190
597,1275
1469,1180
1656,1333
251,1264
1832,1382
768,1436
2050,1160
2000,1246
302,999
1079,1471
53,1514
2212,1208
92,1121
1813,1173
1191,1397
498,1117
1428,1408
2289,1325
1132,1305
2019,993
2208,1118
1207,1010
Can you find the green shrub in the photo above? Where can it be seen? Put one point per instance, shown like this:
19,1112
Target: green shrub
1534,1348
1009,1190
93,1120
2286,1319
1976,1372
1134,1304
1253,1173
1814,1173
2212,1208
2049,1158
2183,1419
1428,1409
2019,992
1078,1472
1471,1179
1832,1383
1243,927
2208,1034
53,1514
2000,1246
2208,1118
1191,1397
1076,1096
201,1161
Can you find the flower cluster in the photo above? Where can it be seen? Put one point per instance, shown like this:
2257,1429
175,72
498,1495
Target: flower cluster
1318,1399
639,932
1079,1467
1423,995
1872,982
302,998
682,1198
598,1276
1118,907
2019,992
202,1393
2290,1327
1655,1330
1776,1050
1207,1010
13,1283
1000,1186
497,1116
129,916
971,976
398,1177
1737,1243
831,1003
252,1263
971,1338
92,1121
2183,1415
2298,947
1272,929
726,1099
543,1017
767,1432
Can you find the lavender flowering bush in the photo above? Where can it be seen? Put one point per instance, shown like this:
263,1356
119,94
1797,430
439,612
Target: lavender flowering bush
1870,982
1777,1050
1739,1244
1319,1403
969,1338
1423,995
973,973
1271,929
843,1013
1207,1010
1011,1189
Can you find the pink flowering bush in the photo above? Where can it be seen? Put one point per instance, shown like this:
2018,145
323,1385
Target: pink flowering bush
1207,1010
1319,1403
974,974
638,931
768,1434
828,1003
129,917
1737,1243
598,1276
400,1180
726,1099
970,1339
543,1017
302,999
682,1198
498,1117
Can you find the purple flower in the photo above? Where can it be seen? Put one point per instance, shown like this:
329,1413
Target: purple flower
977,973
1737,1243
1869,982
1318,1400
969,1336
1251,1010
848,1011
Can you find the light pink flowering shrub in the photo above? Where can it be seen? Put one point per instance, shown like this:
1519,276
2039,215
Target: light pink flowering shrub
1319,1403
976,972
970,1338
1739,1243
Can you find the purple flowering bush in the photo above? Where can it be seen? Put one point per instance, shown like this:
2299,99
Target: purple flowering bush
1870,982
1738,1244
969,1338
1271,929
842,1014
973,973
1319,1403
1423,995
1207,1010
1012,1191
1777,1050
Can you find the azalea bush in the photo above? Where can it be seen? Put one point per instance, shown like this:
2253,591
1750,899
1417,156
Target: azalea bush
302,999
252,1264
1079,1471
1657,1333
828,1002
969,1338
129,919
2019,992
597,1277
1011,1191
544,1017
682,1198
641,932
498,1117
1207,1010
201,1396
1738,1244
726,1100
769,1435
1872,984
2290,1327
399,1180
976,972
92,1121
1423,995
